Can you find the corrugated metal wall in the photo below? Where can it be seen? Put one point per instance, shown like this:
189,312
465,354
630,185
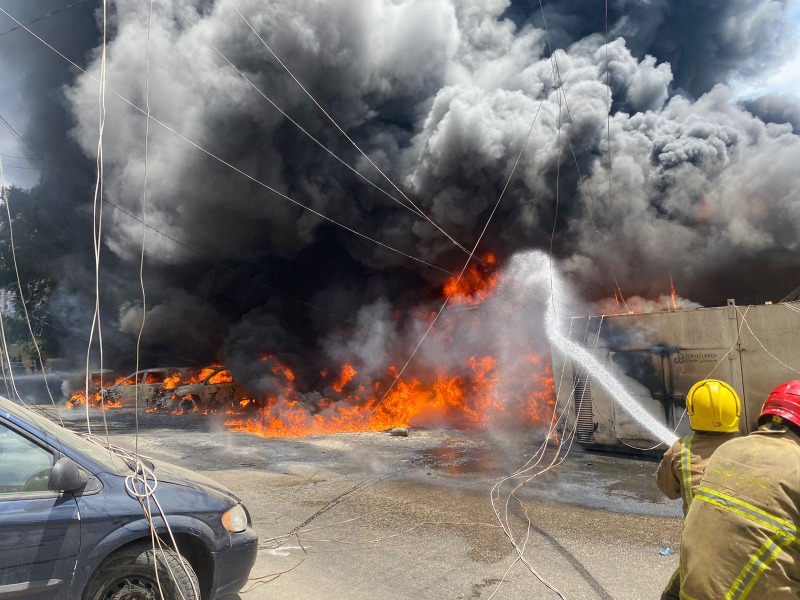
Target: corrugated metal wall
661,355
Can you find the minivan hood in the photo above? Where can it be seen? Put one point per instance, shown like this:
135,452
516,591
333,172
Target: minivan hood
169,473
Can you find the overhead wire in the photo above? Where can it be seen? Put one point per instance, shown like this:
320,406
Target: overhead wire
97,225
435,318
504,520
233,167
341,130
144,223
760,343
582,181
31,158
183,244
50,14
17,135
24,168
73,335
413,208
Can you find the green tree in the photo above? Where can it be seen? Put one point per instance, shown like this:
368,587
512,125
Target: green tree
33,262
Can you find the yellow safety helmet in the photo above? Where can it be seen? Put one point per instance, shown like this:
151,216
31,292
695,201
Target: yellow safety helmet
713,406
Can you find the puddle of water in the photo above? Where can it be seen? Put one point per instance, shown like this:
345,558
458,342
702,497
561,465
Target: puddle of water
458,461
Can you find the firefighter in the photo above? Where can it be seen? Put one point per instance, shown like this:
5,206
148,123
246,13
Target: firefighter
714,409
741,536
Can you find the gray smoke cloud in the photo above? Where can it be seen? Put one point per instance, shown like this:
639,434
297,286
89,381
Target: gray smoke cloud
441,95
776,109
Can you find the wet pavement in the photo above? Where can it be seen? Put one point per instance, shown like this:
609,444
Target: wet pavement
370,515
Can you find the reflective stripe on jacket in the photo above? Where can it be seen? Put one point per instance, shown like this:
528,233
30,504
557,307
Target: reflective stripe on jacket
682,467
741,536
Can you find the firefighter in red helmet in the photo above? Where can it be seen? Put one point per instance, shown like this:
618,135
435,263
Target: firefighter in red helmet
714,408
741,537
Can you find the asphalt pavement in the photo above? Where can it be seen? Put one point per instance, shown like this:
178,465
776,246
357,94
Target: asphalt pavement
373,516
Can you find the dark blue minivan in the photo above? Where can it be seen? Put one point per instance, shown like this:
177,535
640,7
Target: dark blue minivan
73,525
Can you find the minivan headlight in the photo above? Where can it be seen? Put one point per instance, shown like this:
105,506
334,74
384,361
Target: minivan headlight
235,519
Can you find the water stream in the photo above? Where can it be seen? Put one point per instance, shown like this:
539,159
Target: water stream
541,283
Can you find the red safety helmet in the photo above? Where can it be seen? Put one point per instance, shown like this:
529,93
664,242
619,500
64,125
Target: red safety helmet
783,403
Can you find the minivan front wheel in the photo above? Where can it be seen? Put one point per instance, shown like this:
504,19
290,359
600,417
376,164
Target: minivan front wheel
130,574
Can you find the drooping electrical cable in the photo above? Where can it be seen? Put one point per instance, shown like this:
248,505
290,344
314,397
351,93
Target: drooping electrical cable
558,187
97,223
17,135
137,387
137,484
558,418
760,343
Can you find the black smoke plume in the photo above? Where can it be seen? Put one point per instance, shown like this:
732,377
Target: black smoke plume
440,94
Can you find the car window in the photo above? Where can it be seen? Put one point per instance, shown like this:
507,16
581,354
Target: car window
155,377
205,372
24,465
221,377
66,437
130,380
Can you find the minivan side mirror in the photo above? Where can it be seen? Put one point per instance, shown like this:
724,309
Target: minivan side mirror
66,476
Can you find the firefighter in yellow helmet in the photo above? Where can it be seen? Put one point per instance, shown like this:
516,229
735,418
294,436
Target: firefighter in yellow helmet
714,410
741,537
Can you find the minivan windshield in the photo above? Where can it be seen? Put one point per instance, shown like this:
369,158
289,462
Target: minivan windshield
66,437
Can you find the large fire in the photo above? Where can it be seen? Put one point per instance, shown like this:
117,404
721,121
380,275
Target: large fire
464,401
476,392
459,385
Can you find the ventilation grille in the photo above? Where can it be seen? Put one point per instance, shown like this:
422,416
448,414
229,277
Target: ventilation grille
583,407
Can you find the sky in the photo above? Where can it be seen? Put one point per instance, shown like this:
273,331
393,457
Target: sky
782,79
265,238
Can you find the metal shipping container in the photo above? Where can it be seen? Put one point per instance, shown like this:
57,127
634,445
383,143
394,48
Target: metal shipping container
660,355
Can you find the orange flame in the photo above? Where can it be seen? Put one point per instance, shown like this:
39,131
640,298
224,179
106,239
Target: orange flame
171,382
476,284
467,390
673,293
78,397
637,305
348,372
220,377
279,367
469,400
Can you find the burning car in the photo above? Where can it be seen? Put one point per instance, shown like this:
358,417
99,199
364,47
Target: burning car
152,385
213,387
98,380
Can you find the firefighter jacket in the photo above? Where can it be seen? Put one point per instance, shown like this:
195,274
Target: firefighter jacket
683,464
741,537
